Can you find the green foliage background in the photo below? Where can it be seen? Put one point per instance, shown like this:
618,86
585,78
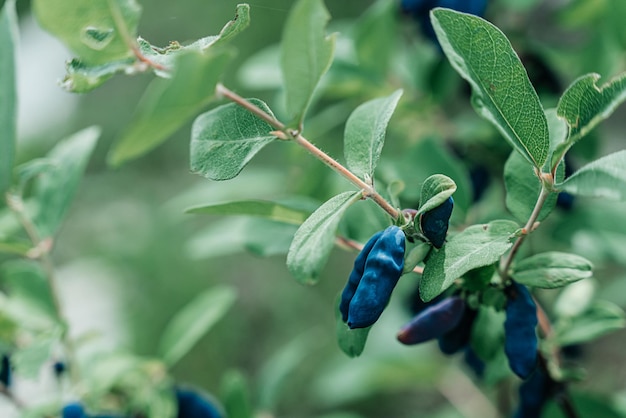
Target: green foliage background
128,223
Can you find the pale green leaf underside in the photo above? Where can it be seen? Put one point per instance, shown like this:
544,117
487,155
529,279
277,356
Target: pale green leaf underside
169,104
436,189
261,208
502,92
193,321
225,139
604,178
97,31
476,246
55,187
585,104
8,99
365,134
306,54
551,270
315,239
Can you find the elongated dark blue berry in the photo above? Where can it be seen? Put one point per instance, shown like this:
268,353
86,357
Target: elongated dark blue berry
433,322
383,268
520,343
5,371
192,404
73,410
458,337
355,276
434,223
533,394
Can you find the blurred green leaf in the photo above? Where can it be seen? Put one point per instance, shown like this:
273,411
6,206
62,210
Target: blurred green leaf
315,239
551,269
476,246
436,189
600,319
575,298
483,56
585,104
487,336
523,188
276,371
14,247
98,31
192,322
374,34
306,55
365,134
225,139
351,341
262,208
8,99
27,282
55,187
235,396
169,104
586,405
604,178
29,360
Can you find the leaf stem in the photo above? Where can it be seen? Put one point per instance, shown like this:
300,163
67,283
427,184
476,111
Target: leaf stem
41,251
296,136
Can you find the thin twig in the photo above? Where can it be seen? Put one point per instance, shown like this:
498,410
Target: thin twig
368,190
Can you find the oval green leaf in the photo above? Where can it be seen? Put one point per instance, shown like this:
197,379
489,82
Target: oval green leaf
551,270
306,54
226,138
8,108
604,178
262,208
502,92
365,134
436,189
315,239
351,341
193,321
476,246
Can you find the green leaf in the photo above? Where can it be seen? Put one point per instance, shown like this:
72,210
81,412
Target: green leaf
192,322
55,187
374,32
261,208
476,246
306,55
315,239
365,134
27,282
97,31
551,269
14,247
415,256
226,138
586,404
169,104
502,92
600,319
585,104
575,298
82,77
603,178
351,341
29,360
523,188
487,335
235,396
8,98
436,189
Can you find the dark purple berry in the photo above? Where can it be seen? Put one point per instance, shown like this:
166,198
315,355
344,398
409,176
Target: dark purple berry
433,322
520,343
383,268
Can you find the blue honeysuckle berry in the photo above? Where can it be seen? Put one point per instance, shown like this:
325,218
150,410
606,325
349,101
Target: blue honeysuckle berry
474,362
458,337
355,276
383,268
520,337
533,394
434,223
420,9
192,404
5,371
73,410
433,322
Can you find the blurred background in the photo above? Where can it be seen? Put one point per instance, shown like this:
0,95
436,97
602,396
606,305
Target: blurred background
129,257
